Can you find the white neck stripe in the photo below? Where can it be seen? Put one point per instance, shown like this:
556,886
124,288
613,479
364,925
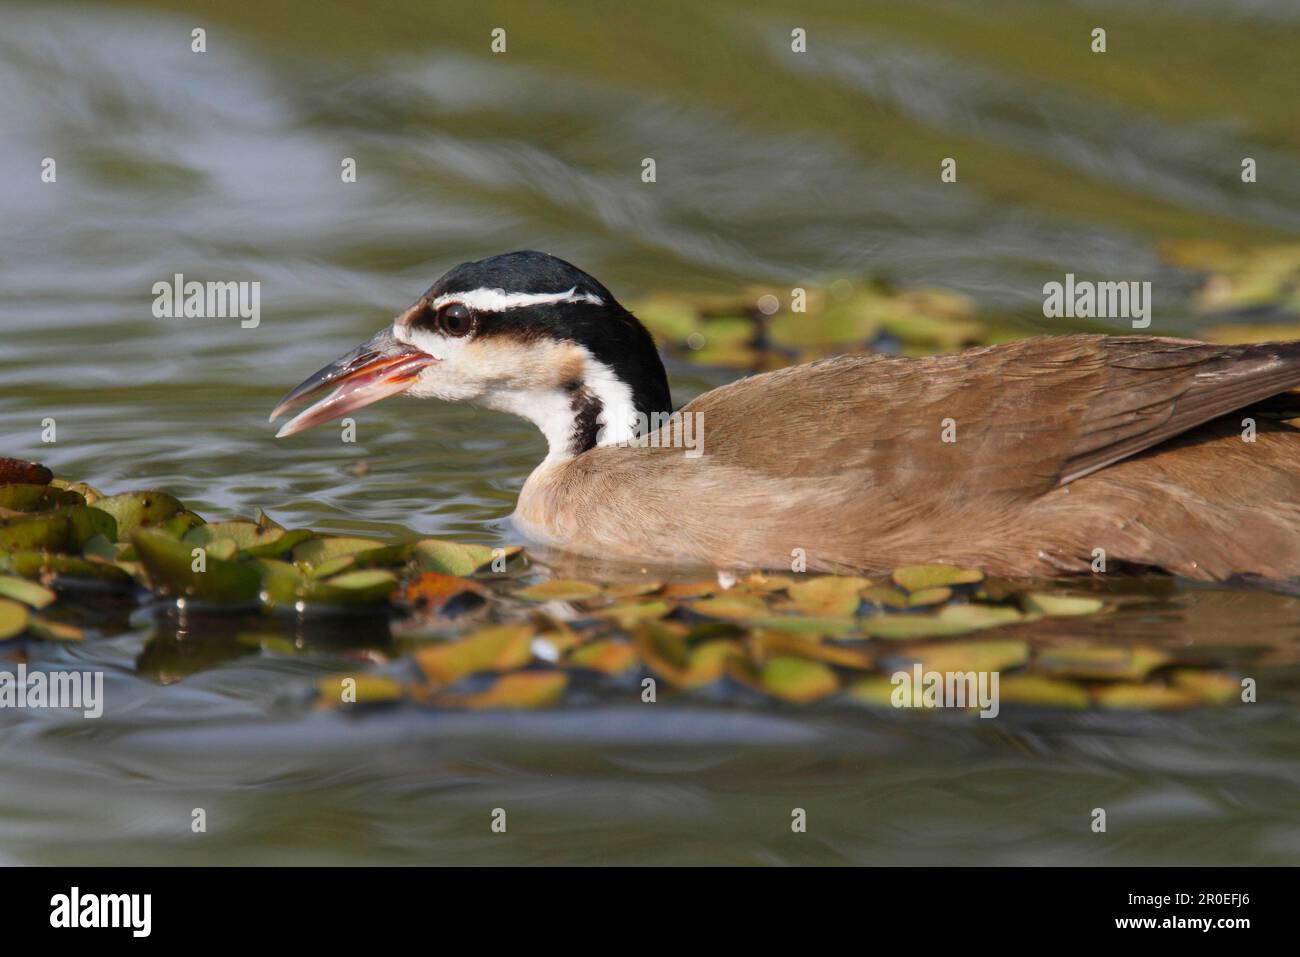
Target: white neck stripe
498,300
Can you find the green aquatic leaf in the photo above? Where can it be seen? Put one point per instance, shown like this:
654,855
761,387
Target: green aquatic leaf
1038,691
560,589
170,565
62,530
524,690
951,620
920,577
456,558
608,656
13,618
501,648
29,593
1061,605
1100,662
283,585
37,498
250,539
797,680
962,656
316,551
137,510
828,596
43,565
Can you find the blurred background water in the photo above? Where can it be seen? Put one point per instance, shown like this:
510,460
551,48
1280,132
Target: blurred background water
771,167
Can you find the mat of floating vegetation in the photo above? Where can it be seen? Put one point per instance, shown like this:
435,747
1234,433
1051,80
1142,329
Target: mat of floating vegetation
766,328
468,626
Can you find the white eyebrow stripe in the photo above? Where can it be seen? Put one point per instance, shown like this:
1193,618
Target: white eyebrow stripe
498,300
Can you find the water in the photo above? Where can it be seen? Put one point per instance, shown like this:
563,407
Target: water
772,167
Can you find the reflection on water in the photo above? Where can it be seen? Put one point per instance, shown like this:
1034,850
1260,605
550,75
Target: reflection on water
772,168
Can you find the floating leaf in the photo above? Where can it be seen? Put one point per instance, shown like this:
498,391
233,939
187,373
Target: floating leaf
797,680
828,596
455,558
885,596
36,498
171,565
929,596
29,593
1131,664
1209,686
682,590
13,618
62,530
800,624
918,577
559,589
629,614
667,653
137,510
951,620
283,585
434,592
47,630
360,690
500,648
1061,605
1143,697
1036,690
609,656
775,644
962,656
253,540
528,689
316,551
44,566
731,606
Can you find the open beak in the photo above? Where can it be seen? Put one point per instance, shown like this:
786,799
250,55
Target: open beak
372,371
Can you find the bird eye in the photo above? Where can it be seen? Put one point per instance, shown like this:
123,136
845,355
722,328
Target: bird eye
455,319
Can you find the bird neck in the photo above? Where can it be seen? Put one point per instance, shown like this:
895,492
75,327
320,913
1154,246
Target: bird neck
597,408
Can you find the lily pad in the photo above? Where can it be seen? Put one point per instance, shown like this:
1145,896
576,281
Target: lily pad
137,510
559,589
455,558
282,585
62,530
776,644
667,653
524,690
36,498
828,596
629,614
48,630
435,592
252,540
1144,697
962,656
1061,605
170,565
735,607
609,656
797,680
919,577
502,648
1036,690
1101,662
317,551
44,566
951,620
29,593
13,618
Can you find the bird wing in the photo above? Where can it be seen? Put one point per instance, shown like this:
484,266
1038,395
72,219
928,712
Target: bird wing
1014,419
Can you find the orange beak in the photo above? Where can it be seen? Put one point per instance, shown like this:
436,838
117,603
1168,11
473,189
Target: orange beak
374,370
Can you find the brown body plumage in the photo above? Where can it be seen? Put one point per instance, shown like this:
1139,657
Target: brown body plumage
1132,445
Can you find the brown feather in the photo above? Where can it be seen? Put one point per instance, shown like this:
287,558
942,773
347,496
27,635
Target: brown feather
1063,445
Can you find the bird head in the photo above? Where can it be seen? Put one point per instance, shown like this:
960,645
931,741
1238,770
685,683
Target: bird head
522,332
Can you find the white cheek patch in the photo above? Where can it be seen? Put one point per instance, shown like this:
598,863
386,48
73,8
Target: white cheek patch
498,300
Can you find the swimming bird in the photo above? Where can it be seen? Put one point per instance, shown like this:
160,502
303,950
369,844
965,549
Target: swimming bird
1049,455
